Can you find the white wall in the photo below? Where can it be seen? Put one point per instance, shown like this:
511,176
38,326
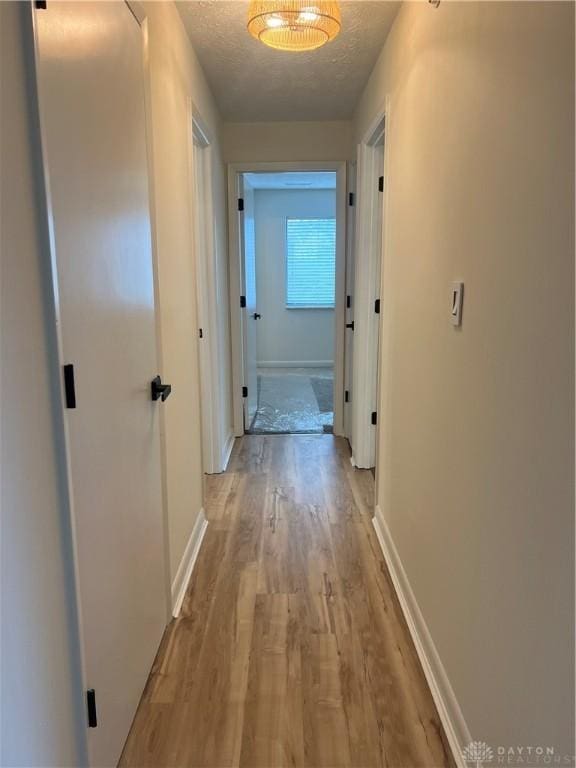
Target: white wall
476,461
286,142
175,79
42,704
288,336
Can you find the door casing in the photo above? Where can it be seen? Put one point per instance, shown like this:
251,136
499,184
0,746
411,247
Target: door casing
237,314
349,308
248,288
368,255
202,220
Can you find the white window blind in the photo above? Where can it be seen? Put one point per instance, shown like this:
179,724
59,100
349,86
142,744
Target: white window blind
310,263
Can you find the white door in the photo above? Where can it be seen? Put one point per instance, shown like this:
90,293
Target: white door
251,315
377,259
349,310
89,64
367,268
202,255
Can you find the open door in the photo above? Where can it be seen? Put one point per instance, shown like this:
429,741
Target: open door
349,309
95,157
251,315
367,268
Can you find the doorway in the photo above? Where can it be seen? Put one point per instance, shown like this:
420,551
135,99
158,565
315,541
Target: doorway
206,291
288,296
366,300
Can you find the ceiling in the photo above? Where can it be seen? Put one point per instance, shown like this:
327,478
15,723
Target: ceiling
253,83
292,180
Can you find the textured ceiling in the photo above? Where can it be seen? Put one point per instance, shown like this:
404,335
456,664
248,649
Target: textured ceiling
254,83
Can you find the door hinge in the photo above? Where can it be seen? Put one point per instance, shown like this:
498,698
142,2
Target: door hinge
91,707
374,418
351,198
240,203
69,386
348,302
350,325
40,5
242,302
346,396
381,184
244,391
377,306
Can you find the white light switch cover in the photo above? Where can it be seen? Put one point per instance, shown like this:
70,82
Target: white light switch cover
456,304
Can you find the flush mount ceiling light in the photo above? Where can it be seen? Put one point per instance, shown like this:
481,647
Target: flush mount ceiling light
293,25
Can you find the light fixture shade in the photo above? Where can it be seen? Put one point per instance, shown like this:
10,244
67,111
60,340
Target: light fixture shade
294,25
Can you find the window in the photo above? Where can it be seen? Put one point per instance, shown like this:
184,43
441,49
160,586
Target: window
310,263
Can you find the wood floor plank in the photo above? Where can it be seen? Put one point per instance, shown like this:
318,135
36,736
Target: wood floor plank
162,727
273,724
220,491
366,747
327,743
291,648
217,704
281,562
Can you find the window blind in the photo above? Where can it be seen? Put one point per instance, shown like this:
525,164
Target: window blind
310,263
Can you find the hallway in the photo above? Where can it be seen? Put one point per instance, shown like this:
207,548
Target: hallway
288,329
291,648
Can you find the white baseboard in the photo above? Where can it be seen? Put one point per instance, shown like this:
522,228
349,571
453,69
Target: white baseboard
457,732
180,583
295,364
356,465
226,452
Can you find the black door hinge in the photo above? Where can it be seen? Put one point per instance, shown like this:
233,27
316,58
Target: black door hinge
381,184
348,302
69,386
350,198
200,333
350,325
242,302
240,203
91,707
377,306
40,5
244,391
374,418
346,396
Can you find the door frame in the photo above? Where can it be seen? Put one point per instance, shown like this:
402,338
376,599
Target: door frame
200,160
235,170
247,192
369,259
352,197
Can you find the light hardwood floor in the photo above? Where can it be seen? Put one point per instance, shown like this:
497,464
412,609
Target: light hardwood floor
291,649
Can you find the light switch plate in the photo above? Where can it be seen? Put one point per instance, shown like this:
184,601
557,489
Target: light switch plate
456,304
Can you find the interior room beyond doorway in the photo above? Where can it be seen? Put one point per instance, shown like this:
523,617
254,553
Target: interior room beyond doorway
293,237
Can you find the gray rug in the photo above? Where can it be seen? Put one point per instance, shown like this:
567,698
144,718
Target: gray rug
286,405
290,403
324,390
